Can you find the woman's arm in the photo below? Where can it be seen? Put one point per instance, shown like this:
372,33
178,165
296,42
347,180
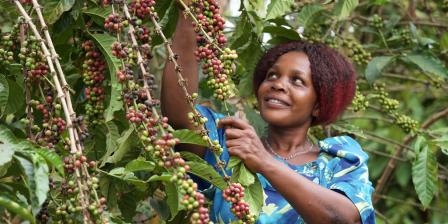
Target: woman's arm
173,102
314,203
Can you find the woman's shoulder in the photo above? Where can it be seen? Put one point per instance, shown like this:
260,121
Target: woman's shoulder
344,147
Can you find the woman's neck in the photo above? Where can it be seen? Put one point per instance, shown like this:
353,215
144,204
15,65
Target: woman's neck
288,140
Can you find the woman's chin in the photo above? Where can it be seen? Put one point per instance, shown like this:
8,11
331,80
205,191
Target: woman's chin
275,118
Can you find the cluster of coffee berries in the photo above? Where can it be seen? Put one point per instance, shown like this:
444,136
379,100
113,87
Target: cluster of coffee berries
377,22
390,106
71,164
331,42
119,50
210,39
201,215
142,34
359,102
405,36
356,52
437,81
234,194
124,75
406,123
7,47
142,8
313,34
114,23
31,57
94,68
69,189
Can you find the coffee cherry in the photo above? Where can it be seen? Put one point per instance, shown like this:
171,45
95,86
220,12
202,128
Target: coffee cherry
113,23
94,68
359,102
234,194
142,8
119,50
356,51
377,22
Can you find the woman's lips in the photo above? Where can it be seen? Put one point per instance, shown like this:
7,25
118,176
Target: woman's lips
277,103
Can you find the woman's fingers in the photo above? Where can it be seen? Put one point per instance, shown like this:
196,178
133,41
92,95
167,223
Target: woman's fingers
233,122
232,133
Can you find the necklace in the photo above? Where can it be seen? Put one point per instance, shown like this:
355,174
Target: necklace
292,156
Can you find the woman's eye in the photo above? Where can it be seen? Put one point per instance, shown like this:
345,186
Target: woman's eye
271,75
297,81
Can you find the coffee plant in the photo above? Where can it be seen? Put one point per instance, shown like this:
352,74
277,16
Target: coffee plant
83,139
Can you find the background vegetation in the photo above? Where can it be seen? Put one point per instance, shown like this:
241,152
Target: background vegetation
399,115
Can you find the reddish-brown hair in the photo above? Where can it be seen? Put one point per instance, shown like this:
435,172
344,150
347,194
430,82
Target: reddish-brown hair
333,76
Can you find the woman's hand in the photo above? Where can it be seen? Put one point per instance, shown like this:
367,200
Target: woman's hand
242,141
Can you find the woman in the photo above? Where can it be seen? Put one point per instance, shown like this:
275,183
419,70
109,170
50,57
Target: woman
297,85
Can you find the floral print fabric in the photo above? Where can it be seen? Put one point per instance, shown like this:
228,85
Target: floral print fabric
341,166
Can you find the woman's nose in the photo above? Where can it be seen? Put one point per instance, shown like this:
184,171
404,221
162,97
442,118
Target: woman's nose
279,85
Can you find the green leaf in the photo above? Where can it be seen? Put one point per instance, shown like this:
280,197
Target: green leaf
52,159
278,8
444,41
164,177
189,156
16,99
98,14
344,8
308,13
240,35
442,143
172,198
282,32
428,64
104,42
111,137
255,120
124,144
424,175
189,137
16,208
206,172
101,12
256,6
36,176
140,164
233,162
128,205
254,196
242,175
375,67
53,9
8,144
129,177
168,22
4,93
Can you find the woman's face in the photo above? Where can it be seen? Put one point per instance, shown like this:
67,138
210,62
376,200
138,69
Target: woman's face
286,97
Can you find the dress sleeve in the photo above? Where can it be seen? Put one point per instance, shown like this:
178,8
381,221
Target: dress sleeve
351,176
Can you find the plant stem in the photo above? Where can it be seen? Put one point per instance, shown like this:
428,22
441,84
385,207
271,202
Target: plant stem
407,140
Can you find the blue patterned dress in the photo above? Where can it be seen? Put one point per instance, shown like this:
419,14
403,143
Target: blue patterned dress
340,166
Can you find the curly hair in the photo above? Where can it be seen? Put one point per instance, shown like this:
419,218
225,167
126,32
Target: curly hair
333,76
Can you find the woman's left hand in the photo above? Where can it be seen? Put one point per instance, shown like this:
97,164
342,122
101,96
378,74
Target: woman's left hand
242,141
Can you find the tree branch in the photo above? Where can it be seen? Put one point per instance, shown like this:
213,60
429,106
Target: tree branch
408,139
